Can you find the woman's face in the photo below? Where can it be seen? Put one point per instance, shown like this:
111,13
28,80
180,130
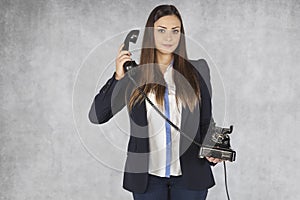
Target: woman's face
167,34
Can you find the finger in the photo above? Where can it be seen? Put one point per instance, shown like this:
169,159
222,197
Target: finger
121,47
123,57
210,159
124,53
122,61
213,160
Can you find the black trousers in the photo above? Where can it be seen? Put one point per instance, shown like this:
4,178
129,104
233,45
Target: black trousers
173,188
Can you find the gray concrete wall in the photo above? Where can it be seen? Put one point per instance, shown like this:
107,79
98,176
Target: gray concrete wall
53,53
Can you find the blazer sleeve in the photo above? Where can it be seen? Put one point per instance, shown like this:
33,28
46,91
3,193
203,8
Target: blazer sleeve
109,101
206,94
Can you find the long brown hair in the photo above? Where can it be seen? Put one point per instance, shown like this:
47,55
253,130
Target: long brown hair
151,76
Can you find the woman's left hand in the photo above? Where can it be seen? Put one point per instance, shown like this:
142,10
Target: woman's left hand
214,160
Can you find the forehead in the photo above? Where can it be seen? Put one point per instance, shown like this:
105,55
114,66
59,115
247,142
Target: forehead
168,21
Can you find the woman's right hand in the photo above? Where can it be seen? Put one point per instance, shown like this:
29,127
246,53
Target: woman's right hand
122,57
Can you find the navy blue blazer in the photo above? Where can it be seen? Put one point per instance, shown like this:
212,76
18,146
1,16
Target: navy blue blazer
196,172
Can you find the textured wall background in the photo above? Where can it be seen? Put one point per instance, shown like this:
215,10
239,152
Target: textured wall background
253,44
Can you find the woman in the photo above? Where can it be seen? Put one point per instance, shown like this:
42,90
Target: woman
161,163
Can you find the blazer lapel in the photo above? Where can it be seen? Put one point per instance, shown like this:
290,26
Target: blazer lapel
139,127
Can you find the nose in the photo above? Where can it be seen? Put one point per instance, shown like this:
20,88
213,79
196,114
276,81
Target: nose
168,36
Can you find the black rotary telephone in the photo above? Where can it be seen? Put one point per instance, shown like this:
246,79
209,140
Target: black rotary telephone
218,144
131,37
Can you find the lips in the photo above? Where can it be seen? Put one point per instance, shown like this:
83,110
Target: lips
167,45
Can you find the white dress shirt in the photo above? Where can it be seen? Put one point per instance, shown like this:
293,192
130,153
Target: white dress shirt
157,132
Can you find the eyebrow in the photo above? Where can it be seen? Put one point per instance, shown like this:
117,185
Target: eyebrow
166,27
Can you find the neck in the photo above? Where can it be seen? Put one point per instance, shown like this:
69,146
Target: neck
164,61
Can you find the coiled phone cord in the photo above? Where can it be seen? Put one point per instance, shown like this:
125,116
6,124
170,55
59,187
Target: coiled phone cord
176,127
225,180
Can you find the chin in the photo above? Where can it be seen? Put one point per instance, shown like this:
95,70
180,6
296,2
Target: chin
165,51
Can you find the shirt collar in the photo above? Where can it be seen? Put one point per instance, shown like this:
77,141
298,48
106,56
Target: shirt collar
170,65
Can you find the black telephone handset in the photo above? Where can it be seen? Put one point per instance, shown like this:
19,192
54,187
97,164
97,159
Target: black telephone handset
131,37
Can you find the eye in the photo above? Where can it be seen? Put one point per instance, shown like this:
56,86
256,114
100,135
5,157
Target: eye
176,31
160,30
